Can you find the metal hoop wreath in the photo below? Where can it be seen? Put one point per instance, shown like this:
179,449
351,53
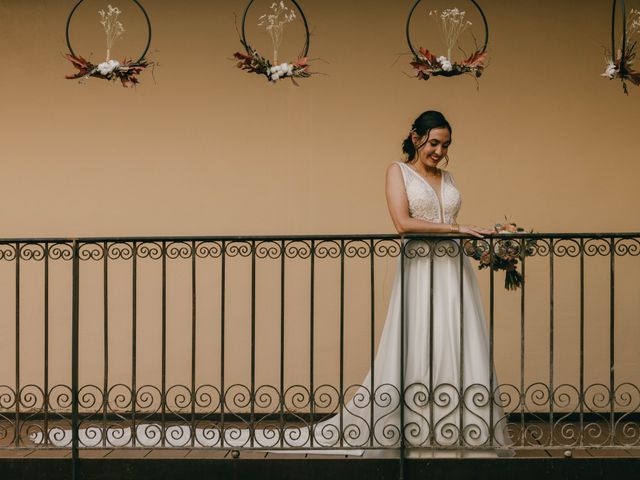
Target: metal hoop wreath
613,29
146,17
305,51
484,20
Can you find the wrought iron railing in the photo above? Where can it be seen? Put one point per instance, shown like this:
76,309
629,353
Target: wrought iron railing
263,342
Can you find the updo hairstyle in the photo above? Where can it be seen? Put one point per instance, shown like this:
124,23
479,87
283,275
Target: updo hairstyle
426,122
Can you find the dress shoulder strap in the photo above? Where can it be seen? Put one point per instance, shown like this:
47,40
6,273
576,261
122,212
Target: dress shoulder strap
403,170
450,177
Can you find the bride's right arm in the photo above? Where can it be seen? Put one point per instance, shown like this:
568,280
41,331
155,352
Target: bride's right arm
399,210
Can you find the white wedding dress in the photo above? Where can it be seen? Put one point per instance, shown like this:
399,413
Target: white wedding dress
448,402
449,408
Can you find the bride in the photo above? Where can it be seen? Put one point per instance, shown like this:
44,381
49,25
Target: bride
450,400
450,395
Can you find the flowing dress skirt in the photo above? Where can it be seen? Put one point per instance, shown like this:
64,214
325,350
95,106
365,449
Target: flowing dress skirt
450,393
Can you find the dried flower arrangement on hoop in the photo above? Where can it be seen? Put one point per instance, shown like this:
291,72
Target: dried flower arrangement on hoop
125,71
274,23
506,253
620,65
452,25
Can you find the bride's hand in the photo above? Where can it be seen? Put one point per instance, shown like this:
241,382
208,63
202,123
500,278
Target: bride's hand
475,231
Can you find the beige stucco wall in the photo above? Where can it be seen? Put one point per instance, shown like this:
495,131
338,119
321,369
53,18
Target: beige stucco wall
208,150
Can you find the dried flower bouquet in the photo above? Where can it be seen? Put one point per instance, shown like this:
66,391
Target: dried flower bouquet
506,253
452,25
251,61
125,71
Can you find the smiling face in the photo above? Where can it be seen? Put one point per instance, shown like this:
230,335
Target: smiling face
432,148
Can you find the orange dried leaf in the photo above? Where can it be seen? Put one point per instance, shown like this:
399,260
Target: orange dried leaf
475,60
427,54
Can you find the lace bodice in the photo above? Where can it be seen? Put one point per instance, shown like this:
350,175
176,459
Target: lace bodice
423,201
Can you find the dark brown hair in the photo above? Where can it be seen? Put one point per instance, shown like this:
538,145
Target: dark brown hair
422,125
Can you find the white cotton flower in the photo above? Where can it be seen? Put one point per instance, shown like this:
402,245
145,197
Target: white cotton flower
275,77
105,68
273,69
611,70
445,63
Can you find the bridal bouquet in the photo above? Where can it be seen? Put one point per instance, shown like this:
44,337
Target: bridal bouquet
506,253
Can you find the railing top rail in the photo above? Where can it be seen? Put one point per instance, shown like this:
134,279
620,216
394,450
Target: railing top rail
375,236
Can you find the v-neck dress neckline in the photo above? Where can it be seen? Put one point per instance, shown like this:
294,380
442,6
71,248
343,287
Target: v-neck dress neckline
439,198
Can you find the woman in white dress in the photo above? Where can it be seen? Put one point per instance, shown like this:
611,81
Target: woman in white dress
451,400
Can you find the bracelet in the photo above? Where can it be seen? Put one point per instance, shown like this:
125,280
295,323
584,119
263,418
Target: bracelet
455,227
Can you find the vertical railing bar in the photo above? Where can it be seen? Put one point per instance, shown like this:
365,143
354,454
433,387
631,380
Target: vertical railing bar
612,293
17,352
551,335
372,367
134,339
46,345
163,395
223,260
193,341
105,340
461,388
252,396
523,256
492,308
342,396
581,341
75,345
402,360
430,322
342,393
342,342
282,338
312,282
